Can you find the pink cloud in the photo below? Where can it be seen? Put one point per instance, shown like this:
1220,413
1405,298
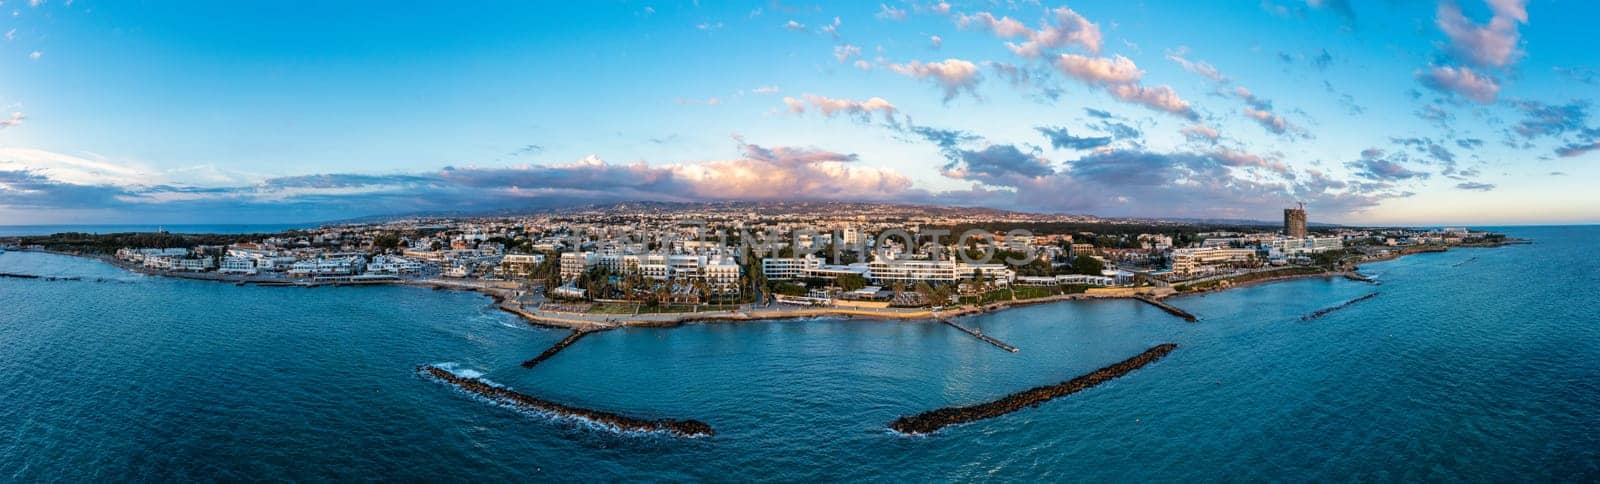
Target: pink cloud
1461,81
953,75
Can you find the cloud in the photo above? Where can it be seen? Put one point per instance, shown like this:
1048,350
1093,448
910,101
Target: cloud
946,139
1060,139
1462,81
1272,122
1064,28
35,55
1240,159
885,12
758,173
1200,132
1120,77
844,52
1374,166
11,35
16,119
1492,45
995,162
1341,7
1482,187
1096,113
861,110
935,42
833,28
708,26
1540,119
765,90
1469,143
528,150
1250,98
952,75
795,26
1003,27
1068,29
1588,140
1205,70
1322,60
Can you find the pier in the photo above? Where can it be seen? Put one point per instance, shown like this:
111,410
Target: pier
931,421
977,333
681,428
1324,311
1168,308
556,348
1359,277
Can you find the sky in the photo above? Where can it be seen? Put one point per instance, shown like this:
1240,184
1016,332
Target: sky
1369,112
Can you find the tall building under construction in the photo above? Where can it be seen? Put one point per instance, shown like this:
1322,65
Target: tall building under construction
1294,221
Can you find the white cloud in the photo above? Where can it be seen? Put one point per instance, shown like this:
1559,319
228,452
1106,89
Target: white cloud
885,12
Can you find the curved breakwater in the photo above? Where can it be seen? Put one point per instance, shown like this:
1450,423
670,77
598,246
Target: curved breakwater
681,428
931,421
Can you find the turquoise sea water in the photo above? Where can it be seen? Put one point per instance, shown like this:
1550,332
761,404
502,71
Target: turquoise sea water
1476,364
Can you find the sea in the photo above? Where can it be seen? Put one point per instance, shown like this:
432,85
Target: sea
31,230
1469,365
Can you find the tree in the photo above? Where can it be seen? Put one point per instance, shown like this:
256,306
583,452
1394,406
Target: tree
387,241
1087,265
851,282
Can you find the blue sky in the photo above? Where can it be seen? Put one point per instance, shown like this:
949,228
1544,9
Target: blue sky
1423,112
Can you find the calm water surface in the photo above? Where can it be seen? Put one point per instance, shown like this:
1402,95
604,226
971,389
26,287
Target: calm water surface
1477,364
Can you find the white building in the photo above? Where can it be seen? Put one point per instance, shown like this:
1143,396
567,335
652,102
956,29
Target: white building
329,266
779,268
520,263
887,270
237,265
1187,262
574,264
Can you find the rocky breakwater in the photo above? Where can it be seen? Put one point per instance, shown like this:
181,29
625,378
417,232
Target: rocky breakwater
931,421
1324,311
680,428
556,348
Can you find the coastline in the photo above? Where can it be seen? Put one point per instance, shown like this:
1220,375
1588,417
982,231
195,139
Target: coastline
501,294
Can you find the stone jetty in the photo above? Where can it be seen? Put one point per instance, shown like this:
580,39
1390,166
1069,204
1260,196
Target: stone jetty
556,348
979,334
1324,311
680,428
932,421
1168,308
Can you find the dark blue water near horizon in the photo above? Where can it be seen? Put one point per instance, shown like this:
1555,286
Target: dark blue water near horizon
1475,364
31,230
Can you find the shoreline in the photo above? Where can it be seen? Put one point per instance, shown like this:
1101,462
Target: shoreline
585,322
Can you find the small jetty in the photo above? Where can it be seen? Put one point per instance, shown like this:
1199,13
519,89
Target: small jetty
1168,308
681,428
1324,311
1359,277
978,333
556,348
932,421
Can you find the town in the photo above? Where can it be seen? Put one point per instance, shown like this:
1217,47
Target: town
629,259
